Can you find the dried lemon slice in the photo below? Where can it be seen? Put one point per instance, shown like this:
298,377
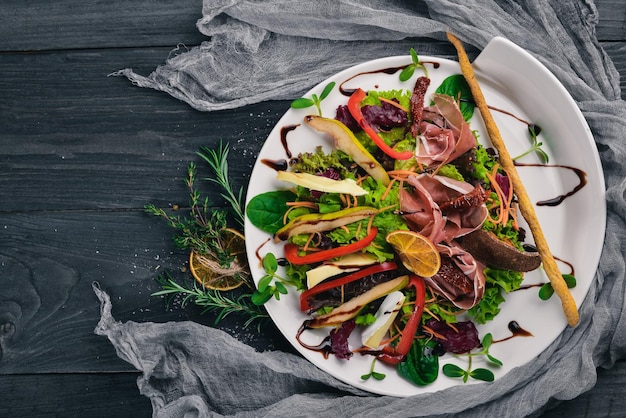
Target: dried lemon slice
417,253
208,271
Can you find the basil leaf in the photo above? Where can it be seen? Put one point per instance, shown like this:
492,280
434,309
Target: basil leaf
266,210
420,367
457,87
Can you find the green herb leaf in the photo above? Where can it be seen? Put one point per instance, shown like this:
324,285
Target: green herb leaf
456,86
546,291
569,280
329,87
494,360
452,370
302,103
482,374
270,264
260,298
407,72
264,283
421,367
378,376
266,210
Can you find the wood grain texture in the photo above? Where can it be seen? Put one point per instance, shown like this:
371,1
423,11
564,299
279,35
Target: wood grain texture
72,24
48,310
81,153
118,146
612,23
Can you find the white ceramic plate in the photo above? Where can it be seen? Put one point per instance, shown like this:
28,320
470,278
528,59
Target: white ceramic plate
511,80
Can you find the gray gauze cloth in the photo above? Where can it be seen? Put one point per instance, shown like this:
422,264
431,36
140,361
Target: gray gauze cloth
264,50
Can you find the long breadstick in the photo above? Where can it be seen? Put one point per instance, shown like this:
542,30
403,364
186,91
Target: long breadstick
526,206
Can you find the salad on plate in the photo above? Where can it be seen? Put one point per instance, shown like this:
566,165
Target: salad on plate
401,235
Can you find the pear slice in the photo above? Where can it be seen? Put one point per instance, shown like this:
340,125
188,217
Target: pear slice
320,222
351,308
322,184
346,141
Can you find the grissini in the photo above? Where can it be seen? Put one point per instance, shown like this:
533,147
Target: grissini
527,208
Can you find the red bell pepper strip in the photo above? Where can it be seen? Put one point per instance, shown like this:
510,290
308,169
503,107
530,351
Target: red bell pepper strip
397,354
291,250
354,107
322,287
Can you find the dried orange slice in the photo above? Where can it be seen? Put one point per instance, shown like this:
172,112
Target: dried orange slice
206,268
417,253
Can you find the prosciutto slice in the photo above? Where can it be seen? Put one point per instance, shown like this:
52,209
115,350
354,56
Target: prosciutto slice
444,209
422,207
444,133
463,292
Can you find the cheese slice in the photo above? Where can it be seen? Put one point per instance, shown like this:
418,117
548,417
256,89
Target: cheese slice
345,264
373,334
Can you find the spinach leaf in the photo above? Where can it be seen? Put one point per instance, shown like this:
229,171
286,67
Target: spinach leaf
421,366
266,210
457,87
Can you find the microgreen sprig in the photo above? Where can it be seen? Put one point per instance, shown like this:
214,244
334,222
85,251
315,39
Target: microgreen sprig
271,284
535,145
314,100
373,374
452,370
408,71
546,291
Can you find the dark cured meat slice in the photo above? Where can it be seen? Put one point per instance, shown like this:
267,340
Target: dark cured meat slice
417,104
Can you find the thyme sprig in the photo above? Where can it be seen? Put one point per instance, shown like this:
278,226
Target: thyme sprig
202,229
211,300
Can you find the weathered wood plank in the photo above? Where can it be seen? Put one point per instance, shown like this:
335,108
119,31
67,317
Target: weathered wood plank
612,23
144,23
48,311
42,25
617,52
73,395
118,146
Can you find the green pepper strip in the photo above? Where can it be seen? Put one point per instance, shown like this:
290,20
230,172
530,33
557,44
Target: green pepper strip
291,250
322,287
354,107
397,354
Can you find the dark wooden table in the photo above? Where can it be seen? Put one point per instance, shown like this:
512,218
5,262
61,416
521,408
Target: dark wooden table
80,155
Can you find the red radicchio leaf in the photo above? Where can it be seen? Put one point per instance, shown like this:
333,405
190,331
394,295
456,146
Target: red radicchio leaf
463,341
504,183
339,339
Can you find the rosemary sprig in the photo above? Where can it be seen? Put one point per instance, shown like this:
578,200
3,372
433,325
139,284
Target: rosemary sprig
218,161
211,300
201,231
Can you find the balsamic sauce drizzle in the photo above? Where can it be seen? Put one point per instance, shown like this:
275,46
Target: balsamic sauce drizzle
582,181
388,70
516,331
